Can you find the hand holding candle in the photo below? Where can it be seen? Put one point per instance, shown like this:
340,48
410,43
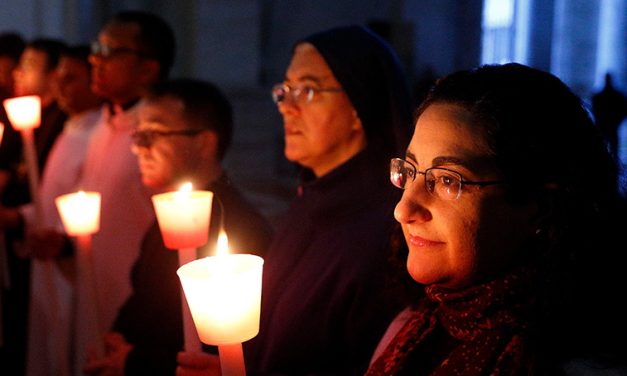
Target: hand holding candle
224,295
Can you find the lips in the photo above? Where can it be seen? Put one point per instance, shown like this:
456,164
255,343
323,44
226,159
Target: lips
417,241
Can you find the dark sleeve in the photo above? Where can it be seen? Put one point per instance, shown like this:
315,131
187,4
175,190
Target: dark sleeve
152,361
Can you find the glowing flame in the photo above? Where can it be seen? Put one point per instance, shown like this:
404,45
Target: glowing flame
184,192
223,244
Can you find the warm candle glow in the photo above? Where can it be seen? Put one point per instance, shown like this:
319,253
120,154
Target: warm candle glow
80,212
183,217
24,112
224,296
1,131
184,192
223,244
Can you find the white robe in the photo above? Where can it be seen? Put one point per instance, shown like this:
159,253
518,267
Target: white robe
126,213
51,293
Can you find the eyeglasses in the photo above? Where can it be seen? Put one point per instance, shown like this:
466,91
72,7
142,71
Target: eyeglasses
105,51
302,94
146,138
440,182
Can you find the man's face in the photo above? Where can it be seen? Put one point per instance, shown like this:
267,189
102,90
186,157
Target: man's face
7,64
166,159
117,76
74,94
32,76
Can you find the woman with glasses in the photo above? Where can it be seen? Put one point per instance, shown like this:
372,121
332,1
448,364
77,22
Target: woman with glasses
511,214
346,111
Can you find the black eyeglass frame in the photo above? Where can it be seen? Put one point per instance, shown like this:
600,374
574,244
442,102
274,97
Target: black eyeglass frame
396,163
281,90
146,138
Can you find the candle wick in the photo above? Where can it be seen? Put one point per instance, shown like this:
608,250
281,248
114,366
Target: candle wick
222,229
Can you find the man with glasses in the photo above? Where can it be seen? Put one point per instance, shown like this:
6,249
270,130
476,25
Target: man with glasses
185,129
134,50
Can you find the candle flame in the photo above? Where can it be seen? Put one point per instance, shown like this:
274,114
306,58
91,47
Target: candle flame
183,192
223,244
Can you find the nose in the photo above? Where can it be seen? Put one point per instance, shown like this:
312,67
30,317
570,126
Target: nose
288,105
410,208
137,150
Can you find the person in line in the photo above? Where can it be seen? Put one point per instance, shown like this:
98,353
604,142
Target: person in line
346,110
35,74
50,318
513,222
609,107
11,47
134,50
185,130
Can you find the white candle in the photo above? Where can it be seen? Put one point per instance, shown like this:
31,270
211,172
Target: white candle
183,217
24,112
80,212
224,295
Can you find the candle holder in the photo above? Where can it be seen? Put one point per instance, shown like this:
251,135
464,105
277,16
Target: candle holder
183,218
80,214
224,294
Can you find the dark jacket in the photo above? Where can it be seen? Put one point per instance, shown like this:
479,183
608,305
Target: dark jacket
151,318
324,302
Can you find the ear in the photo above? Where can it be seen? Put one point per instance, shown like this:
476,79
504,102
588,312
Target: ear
208,142
150,72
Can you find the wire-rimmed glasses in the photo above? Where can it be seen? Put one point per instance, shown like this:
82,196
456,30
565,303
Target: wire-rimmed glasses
440,182
298,94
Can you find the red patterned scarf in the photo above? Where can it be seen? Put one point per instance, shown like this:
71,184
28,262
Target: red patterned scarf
489,320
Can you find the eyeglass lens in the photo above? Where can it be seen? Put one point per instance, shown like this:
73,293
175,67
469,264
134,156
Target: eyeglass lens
439,182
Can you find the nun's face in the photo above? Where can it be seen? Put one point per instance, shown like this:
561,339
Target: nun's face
324,131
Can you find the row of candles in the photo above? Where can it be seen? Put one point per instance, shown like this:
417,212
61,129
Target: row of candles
221,294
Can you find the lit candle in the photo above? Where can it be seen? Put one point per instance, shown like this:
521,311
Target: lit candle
80,214
183,217
24,112
224,295
1,131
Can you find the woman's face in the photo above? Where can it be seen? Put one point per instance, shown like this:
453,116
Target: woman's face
325,132
460,242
